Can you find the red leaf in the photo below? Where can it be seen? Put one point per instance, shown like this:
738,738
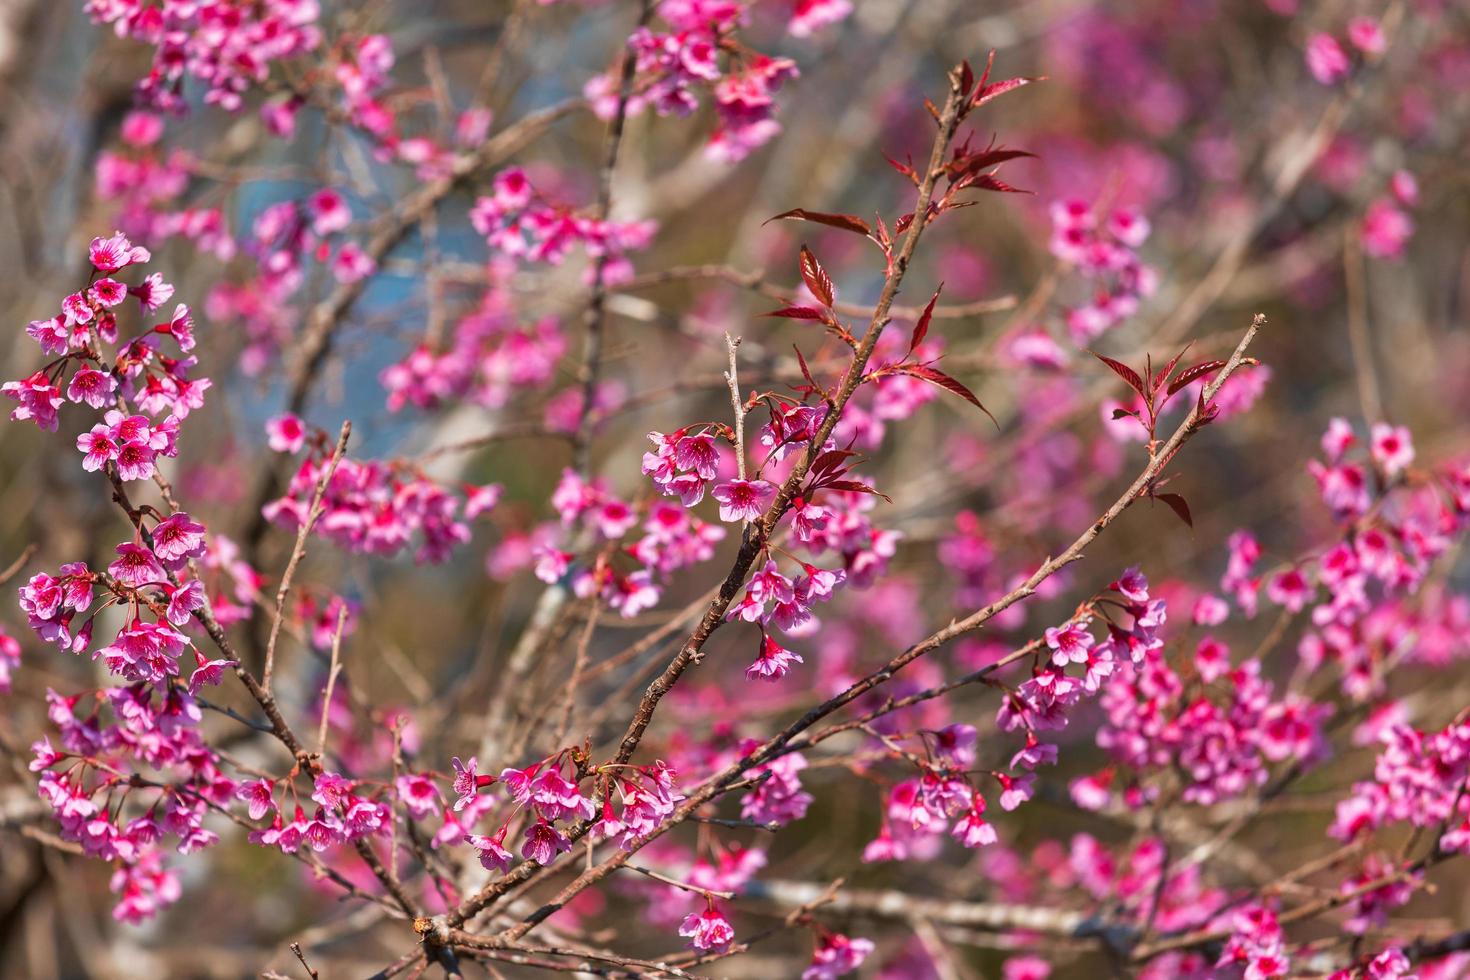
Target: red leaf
847,222
902,224
853,486
830,460
905,169
988,182
1178,505
798,313
986,158
816,278
996,89
989,64
921,329
806,372
1194,374
881,237
937,377
1163,373
1121,370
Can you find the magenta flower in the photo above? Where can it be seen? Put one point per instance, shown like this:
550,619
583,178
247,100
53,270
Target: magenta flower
544,842
697,453
773,663
135,565
184,601
285,433
1386,230
419,794
331,790
1326,60
708,929
97,448
743,500
1069,643
1366,34
209,672
134,461
1393,448
466,781
178,538
38,401
837,955
493,855
111,254
91,386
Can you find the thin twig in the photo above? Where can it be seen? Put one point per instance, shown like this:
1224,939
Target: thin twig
332,671
296,948
732,378
14,567
313,514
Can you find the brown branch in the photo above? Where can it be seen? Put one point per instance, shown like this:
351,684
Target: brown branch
14,568
596,317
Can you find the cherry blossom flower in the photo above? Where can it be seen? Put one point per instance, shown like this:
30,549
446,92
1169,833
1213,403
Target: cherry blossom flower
707,929
1326,60
743,500
773,663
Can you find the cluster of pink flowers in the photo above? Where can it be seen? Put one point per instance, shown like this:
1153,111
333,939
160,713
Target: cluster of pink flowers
345,810
144,577
1387,227
139,371
140,746
1104,250
1419,778
227,47
1329,63
490,357
374,507
1219,730
645,796
519,222
699,52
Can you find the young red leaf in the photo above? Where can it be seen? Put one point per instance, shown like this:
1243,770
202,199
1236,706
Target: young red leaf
798,313
979,161
806,372
1121,370
1194,374
816,278
905,169
937,377
881,235
1163,373
847,222
989,182
996,89
1178,505
853,486
921,329
989,64
830,460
